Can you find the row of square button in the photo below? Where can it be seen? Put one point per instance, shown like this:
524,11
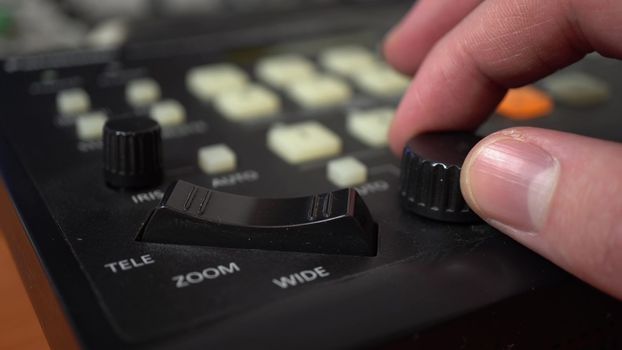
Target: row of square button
139,93
228,87
89,126
342,172
306,141
369,126
236,98
240,100
295,143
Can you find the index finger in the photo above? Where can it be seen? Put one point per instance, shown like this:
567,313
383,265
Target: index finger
428,21
499,45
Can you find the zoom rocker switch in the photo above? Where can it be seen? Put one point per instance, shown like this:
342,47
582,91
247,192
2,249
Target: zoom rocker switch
337,222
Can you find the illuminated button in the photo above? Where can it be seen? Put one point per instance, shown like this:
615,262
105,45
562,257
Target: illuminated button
382,81
206,82
371,126
280,71
250,103
142,92
298,143
525,103
90,126
72,102
217,159
346,172
347,60
321,91
577,89
168,112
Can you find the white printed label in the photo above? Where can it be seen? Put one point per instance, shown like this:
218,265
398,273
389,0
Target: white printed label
89,146
210,273
129,264
298,278
234,179
196,127
147,196
372,187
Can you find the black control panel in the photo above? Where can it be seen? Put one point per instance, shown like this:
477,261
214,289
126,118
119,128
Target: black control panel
234,189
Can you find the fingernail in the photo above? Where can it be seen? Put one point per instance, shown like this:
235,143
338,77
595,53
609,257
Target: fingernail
511,182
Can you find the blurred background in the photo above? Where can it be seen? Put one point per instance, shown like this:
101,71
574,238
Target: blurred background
29,26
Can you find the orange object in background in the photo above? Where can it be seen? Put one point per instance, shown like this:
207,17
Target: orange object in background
526,103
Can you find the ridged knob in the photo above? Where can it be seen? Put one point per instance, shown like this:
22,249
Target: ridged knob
132,153
430,176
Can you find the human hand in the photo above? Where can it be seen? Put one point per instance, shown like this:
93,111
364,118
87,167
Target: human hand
557,193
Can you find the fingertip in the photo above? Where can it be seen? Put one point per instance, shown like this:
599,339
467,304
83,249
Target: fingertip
408,43
467,172
397,54
545,189
512,181
402,129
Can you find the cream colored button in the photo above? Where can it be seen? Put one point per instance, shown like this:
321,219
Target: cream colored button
90,126
382,80
577,89
371,126
346,172
168,112
142,92
321,91
347,60
205,82
280,71
217,159
249,103
72,102
108,34
302,142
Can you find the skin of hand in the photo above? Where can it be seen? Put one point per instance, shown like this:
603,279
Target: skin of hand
557,193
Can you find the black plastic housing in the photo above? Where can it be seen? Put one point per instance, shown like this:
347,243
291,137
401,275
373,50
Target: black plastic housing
430,285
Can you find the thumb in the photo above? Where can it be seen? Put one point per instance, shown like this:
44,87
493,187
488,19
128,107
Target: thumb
557,193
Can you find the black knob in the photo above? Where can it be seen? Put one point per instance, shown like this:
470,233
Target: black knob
132,153
430,176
